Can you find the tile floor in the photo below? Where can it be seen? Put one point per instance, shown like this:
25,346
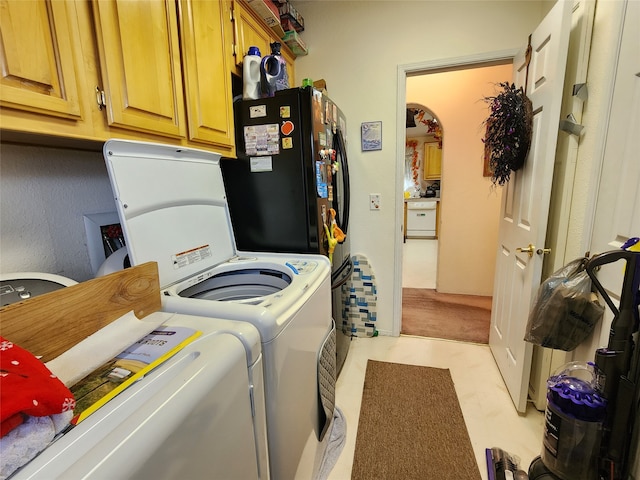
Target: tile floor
419,263
491,419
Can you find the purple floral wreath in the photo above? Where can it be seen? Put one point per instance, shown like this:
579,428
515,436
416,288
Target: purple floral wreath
508,134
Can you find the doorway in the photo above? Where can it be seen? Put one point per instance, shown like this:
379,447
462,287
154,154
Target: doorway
421,192
463,197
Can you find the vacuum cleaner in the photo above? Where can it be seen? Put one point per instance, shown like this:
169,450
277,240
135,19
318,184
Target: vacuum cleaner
592,407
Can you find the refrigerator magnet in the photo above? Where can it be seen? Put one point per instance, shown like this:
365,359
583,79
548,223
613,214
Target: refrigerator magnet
285,111
287,127
287,143
261,164
257,111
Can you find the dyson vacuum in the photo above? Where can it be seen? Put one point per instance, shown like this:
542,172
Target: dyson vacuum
592,407
619,365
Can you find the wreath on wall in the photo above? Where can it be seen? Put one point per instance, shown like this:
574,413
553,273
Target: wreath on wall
508,132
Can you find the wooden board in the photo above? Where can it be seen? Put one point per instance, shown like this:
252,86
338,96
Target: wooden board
50,324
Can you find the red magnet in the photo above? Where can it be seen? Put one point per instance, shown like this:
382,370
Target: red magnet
287,127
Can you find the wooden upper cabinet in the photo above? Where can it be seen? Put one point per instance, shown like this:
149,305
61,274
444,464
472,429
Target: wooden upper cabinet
162,69
40,48
140,60
432,161
249,33
206,33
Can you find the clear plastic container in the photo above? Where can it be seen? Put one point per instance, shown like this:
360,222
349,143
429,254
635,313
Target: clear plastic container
573,422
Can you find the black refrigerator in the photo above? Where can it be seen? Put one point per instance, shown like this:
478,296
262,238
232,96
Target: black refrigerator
289,180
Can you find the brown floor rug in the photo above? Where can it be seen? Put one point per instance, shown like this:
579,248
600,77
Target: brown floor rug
411,426
427,313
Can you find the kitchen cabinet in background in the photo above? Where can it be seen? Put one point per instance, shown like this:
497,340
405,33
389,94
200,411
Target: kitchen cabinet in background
432,161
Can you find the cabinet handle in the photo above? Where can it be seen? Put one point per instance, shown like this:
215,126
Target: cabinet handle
101,100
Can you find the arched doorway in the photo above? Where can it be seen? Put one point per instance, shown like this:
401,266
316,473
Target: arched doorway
422,185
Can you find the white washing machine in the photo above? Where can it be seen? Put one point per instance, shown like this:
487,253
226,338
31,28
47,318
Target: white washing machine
173,210
20,286
198,415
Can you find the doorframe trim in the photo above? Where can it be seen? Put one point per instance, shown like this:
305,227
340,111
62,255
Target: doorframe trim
403,71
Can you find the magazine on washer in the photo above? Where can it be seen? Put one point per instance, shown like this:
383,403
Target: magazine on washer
107,381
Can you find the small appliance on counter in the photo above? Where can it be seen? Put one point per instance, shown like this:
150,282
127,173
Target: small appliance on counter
430,192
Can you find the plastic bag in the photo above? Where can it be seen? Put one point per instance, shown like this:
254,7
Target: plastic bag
565,311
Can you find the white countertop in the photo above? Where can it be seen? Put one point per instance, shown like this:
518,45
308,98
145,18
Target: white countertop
416,199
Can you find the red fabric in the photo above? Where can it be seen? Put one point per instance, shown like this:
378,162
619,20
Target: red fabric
27,387
10,423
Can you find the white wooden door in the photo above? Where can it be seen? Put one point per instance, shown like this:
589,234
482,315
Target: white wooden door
617,216
525,203
618,203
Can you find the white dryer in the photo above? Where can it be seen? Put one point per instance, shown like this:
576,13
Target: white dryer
198,415
20,286
173,210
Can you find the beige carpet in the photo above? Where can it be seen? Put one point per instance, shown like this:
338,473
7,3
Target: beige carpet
411,426
427,313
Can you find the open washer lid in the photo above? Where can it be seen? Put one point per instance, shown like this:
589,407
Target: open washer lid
172,207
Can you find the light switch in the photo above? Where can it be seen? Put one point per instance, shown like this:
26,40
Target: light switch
374,201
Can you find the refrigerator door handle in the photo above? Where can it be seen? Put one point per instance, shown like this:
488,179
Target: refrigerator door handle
344,167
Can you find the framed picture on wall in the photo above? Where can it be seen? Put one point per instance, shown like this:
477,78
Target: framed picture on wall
371,136
486,166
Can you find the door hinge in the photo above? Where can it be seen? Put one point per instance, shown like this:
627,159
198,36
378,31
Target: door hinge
101,100
580,91
570,125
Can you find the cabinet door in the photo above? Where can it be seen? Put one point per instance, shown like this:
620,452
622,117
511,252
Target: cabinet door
140,60
432,161
40,50
206,31
249,32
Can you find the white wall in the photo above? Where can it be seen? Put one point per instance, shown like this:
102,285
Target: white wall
43,194
357,46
